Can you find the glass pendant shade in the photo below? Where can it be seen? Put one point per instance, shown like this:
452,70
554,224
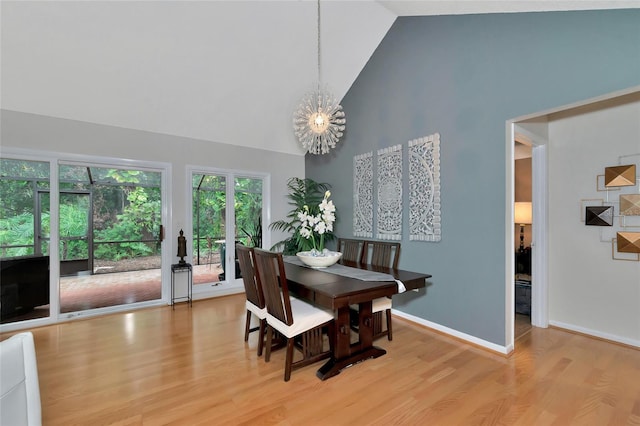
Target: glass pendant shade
319,122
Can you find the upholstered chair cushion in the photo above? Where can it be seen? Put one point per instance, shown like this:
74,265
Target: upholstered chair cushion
306,317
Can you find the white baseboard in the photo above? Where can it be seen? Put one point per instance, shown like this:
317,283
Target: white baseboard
455,333
595,333
206,292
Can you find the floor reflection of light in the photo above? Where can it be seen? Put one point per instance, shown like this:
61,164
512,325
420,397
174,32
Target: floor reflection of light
129,327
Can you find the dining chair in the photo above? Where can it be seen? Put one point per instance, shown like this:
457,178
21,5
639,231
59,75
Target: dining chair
301,323
384,254
255,303
351,250
19,387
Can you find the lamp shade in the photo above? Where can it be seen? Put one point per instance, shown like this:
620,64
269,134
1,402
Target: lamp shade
522,213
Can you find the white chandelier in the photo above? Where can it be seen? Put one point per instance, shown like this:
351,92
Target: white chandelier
319,121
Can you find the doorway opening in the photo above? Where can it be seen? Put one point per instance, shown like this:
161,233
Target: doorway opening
523,223
530,134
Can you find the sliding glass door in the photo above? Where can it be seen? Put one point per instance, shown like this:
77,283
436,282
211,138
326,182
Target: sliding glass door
110,236
79,238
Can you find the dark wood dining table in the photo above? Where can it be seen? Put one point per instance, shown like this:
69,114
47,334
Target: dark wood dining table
338,292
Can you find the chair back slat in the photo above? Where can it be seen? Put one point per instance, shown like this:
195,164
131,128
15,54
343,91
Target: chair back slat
252,284
351,249
270,267
383,253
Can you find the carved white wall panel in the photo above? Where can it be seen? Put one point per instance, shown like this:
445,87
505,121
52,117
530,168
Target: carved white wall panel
424,189
363,195
389,217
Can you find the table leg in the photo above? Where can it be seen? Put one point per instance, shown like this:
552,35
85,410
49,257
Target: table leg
365,325
342,348
344,353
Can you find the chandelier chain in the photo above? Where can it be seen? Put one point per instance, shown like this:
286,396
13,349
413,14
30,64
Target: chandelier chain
319,57
319,121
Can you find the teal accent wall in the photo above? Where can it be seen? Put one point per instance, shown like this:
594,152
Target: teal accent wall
464,77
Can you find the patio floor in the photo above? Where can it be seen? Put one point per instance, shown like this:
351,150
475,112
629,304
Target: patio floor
83,292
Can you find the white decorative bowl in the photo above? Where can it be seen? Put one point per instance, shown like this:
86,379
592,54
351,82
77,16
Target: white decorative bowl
319,260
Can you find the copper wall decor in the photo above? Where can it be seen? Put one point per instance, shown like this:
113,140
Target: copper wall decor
620,175
630,205
628,242
618,226
599,215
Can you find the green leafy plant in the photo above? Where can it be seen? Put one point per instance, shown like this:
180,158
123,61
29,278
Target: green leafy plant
126,207
17,231
302,192
254,233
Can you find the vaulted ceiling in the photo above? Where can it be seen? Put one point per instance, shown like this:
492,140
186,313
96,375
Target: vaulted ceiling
222,71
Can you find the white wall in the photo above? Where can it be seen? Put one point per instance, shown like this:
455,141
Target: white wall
588,291
225,71
35,132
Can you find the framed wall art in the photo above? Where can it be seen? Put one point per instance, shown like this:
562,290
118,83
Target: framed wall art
363,195
424,189
389,196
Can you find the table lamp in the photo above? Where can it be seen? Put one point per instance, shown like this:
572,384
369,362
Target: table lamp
522,216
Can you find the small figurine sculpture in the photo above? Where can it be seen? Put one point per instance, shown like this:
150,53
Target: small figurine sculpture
182,248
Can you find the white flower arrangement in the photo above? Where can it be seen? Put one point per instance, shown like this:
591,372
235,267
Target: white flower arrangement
314,226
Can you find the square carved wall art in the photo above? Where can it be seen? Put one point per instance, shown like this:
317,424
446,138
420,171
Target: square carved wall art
630,205
628,242
599,216
620,175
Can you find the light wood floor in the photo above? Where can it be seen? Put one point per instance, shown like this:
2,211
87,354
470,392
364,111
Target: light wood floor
191,366
522,325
